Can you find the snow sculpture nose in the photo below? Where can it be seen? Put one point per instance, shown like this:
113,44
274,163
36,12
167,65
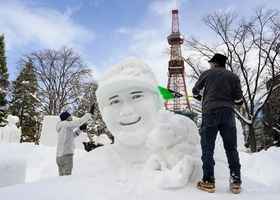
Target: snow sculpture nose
126,110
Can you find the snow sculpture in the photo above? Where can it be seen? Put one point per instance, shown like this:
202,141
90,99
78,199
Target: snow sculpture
129,102
132,109
48,133
10,133
173,143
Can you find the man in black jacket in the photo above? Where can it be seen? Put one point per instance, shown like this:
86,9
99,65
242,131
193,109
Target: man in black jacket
221,91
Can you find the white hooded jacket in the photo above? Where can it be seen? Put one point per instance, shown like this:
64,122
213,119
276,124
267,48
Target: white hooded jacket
66,135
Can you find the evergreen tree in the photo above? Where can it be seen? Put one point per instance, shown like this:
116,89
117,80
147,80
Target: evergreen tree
96,126
87,93
3,83
25,104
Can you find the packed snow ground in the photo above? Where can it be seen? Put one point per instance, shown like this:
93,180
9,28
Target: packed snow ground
260,176
29,172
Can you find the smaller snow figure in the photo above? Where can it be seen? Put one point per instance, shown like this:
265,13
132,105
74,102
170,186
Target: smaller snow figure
145,134
10,133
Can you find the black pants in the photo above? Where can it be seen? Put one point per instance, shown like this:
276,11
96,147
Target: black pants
222,120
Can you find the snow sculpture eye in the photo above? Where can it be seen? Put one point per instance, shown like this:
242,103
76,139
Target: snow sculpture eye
114,100
137,95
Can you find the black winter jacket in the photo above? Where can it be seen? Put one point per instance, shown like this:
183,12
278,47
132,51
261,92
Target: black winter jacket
221,88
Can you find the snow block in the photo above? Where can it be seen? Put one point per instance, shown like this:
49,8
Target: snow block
49,134
12,171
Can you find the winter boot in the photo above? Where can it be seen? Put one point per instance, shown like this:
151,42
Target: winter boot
207,185
235,183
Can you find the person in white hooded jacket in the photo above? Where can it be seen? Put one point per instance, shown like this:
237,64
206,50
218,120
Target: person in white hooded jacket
65,141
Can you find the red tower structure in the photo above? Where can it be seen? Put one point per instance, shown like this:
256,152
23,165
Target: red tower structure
176,69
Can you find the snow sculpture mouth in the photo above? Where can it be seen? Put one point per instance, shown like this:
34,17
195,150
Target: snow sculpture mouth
130,123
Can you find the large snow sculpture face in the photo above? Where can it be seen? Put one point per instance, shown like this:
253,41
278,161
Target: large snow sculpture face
130,114
129,101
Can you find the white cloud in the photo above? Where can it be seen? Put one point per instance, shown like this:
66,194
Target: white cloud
162,7
72,10
123,30
151,46
93,3
48,28
148,40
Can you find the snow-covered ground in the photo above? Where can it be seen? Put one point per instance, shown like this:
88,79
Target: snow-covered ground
260,176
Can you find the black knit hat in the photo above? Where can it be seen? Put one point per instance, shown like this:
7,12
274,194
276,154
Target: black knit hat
218,58
64,116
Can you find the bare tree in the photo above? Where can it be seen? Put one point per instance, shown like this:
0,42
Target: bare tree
60,76
252,48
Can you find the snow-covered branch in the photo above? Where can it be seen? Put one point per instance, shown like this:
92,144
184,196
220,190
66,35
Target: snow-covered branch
243,118
60,77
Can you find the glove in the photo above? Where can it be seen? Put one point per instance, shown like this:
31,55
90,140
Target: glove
83,127
238,102
92,109
197,97
88,146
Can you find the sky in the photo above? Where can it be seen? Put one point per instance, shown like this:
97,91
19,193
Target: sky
104,32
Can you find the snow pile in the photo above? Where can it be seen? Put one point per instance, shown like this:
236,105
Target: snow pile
263,167
12,171
12,167
35,159
40,161
260,178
